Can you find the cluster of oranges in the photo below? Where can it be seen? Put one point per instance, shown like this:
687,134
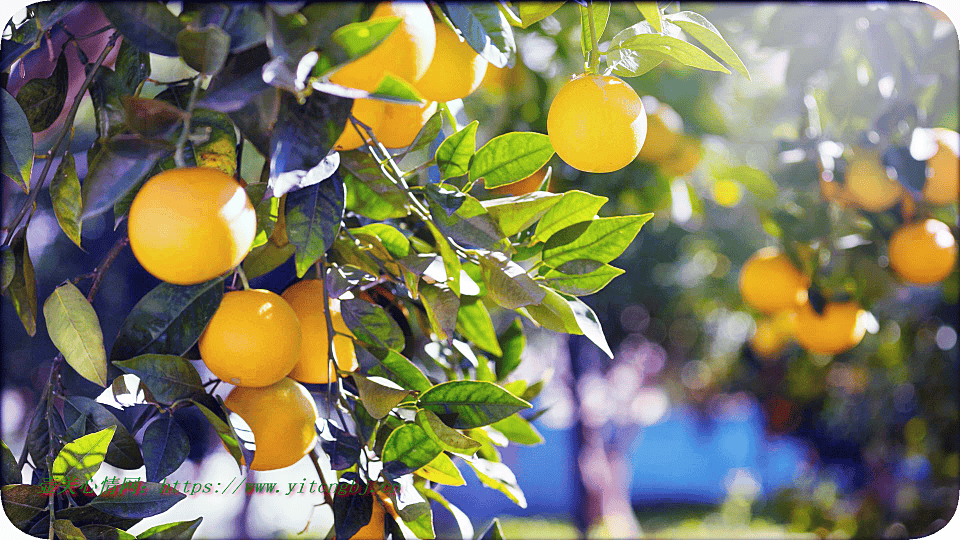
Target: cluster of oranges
191,225
920,252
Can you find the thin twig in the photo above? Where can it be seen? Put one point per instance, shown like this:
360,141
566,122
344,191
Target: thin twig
315,459
182,140
107,261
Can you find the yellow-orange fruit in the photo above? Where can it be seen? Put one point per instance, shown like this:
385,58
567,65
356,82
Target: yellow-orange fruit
252,340
663,127
769,282
943,181
366,111
306,299
282,417
839,329
868,185
191,225
923,252
456,70
527,185
402,123
597,123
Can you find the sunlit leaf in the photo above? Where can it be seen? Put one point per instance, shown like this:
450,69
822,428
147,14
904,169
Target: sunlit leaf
533,12
74,328
706,33
65,198
469,404
313,219
378,395
455,152
602,239
441,470
510,157
576,206
486,30
79,460
411,446
448,438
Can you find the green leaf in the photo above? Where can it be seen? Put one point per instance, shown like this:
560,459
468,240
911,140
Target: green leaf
21,282
409,444
80,460
755,180
485,29
152,499
512,342
98,531
675,48
492,532
475,324
21,503
469,224
515,214
508,284
313,220
372,325
470,404
442,470
576,206
267,210
204,49
42,100
706,33
179,530
379,395
123,452
219,150
169,378
65,198
165,447
67,531
631,63
168,320
533,12
602,240
455,152
359,38
264,259
215,412
510,157
396,367
451,262
448,438
499,477
376,198
120,164
148,25
597,276
601,12
396,243
442,306
651,13
554,313
74,328
589,324
16,142
393,89
9,470
518,430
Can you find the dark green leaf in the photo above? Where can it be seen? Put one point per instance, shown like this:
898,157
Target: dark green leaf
237,83
180,530
165,447
123,452
508,284
485,29
105,532
74,328
168,320
510,157
576,206
410,445
518,430
371,324
204,49
448,438
265,258
470,404
148,25
602,239
313,220
396,367
343,450
512,341
65,198
359,38
87,515
532,12
16,142
21,503
473,321
42,99
706,33
352,512
169,378
378,395
455,152
515,214
10,470
21,282
81,459
153,498
121,162
499,477
584,283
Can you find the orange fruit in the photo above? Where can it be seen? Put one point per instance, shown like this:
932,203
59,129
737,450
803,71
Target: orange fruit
252,340
406,53
456,70
191,225
769,282
306,299
597,123
839,329
868,185
402,123
374,529
773,333
663,126
943,181
527,185
924,252
282,417
685,157
367,111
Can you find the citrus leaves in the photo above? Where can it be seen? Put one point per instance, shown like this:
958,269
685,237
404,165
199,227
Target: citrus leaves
378,395
448,438
455,152
43,99
16,142
313,219
510,157
168,378
359,38
703,31
411,446
65,196
165,447
20,282
532,12
470,404
80,460
148,25
576,206
486,29
601,240
75,330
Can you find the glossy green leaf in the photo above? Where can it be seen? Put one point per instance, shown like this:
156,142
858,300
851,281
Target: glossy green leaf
574,207
21,503
602,240
469,404
169,378
168,320
475,324
469,222
148,25
123,452
706,33
264,259
313,220
597,277
510,157
21,283
74,328
485,29
396,367
379,395
396,243
97,531
204,49
451,261
179,530
215,412
448,438
375,197
533,12
442,470
518,430
675,48
165,447
629,62
372,325
359,38
67,531
601,12
508,284
512,342
65,198
554,313
409,444
120,164
16,142
396,90
455,152
79,460
442,306
515,214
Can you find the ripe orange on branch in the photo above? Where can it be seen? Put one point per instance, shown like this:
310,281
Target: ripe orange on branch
306,299
923,252
769,282
597,123
943,169
191,225
456,71
839,329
